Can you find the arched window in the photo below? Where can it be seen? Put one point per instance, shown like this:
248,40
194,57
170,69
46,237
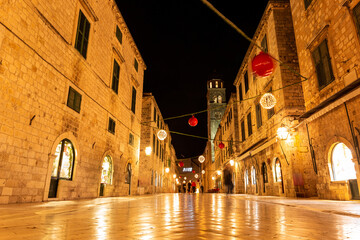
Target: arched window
341,163
64,162
264,172
278,171
246,178
215,99
210,84
253,176
219,99
107,170
216,84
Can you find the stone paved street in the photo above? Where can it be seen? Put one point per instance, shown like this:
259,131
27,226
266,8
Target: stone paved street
182,216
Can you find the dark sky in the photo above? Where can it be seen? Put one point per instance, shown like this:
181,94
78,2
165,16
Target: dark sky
182,43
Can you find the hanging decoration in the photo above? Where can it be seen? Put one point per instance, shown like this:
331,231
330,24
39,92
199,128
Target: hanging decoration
221,145
262,65
196,176
203,171
268,101
161,134
201,159
181,164
193,171
193,121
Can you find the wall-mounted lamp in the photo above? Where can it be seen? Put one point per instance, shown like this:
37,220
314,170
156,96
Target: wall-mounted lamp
148,151
167,170
282,133
232,162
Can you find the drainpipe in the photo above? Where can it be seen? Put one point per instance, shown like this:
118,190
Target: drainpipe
311,151
356,144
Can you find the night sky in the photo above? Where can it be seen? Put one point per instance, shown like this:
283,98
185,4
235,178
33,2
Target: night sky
182,43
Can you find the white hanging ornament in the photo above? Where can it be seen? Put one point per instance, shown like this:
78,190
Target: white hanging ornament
161,134
201,158
268,101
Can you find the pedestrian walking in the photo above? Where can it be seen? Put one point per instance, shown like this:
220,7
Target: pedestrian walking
189,186
193,186
228,181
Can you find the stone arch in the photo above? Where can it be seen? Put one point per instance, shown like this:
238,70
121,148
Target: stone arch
51,157
111,154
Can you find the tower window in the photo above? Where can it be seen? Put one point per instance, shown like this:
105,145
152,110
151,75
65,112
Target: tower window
220,99
216,84
210,84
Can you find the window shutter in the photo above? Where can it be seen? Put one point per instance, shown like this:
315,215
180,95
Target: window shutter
133,101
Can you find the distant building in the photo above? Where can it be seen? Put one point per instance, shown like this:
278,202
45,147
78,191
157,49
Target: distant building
71,89
161,155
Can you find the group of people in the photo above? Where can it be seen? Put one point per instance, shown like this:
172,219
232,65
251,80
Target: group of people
191,187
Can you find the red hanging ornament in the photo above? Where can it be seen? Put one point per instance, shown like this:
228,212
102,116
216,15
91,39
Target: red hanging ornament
262,65
221,145
181,164
180,177
193,121
193,171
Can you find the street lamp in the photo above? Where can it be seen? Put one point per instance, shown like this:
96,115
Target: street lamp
232,162
167,170
201,158
174,176
282,133
218,172
203,171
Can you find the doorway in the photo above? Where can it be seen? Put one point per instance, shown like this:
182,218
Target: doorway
278,174
265,176
128,176
63,166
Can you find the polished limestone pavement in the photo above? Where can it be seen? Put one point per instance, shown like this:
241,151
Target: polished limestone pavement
180,216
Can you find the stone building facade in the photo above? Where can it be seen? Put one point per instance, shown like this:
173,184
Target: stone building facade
161,156
265,165
327,38
71,94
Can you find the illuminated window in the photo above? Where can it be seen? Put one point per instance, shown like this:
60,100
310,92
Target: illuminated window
210,84
341,163
246,178
278,177
107,170
219,99
64,160
216,84
253,176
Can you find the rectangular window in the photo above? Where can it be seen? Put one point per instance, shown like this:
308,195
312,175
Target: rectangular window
307,3
136,64
82,34
249,124
323,65
119,34
111,127
154,114
133,100
74,100
158,121
153,149
246,82
258,116
356,12
264,43
240,92
243,130
157,147
115,79
131,139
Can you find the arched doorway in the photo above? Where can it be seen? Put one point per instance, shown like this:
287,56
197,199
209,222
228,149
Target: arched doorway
246,179
343,168
264,173
253,178
106,173
63,165
278,174
128,176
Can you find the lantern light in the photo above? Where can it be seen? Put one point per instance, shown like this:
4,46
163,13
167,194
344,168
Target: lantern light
184,181
167,170
268,101
161,134
174,176
218,172
196,176
262,65
203,171
213,178
201,158
232,162
221,145
184,178
282,133
193,121
181,164
148,151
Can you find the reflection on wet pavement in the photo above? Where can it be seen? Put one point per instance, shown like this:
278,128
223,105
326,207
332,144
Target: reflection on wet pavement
172,216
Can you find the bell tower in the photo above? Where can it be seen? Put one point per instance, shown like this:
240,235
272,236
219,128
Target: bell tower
216,105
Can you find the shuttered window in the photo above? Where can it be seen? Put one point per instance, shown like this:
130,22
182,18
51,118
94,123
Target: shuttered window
74,100
115,79
356,12
246,81
243,130
249,124
307,3
82,35
136,64
240,92
264,44
133,100
323,64
119,34
258,116
111,127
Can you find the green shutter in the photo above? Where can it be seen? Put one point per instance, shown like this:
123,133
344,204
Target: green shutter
116,74
133,100
136,64
246,82
119,34
82,35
